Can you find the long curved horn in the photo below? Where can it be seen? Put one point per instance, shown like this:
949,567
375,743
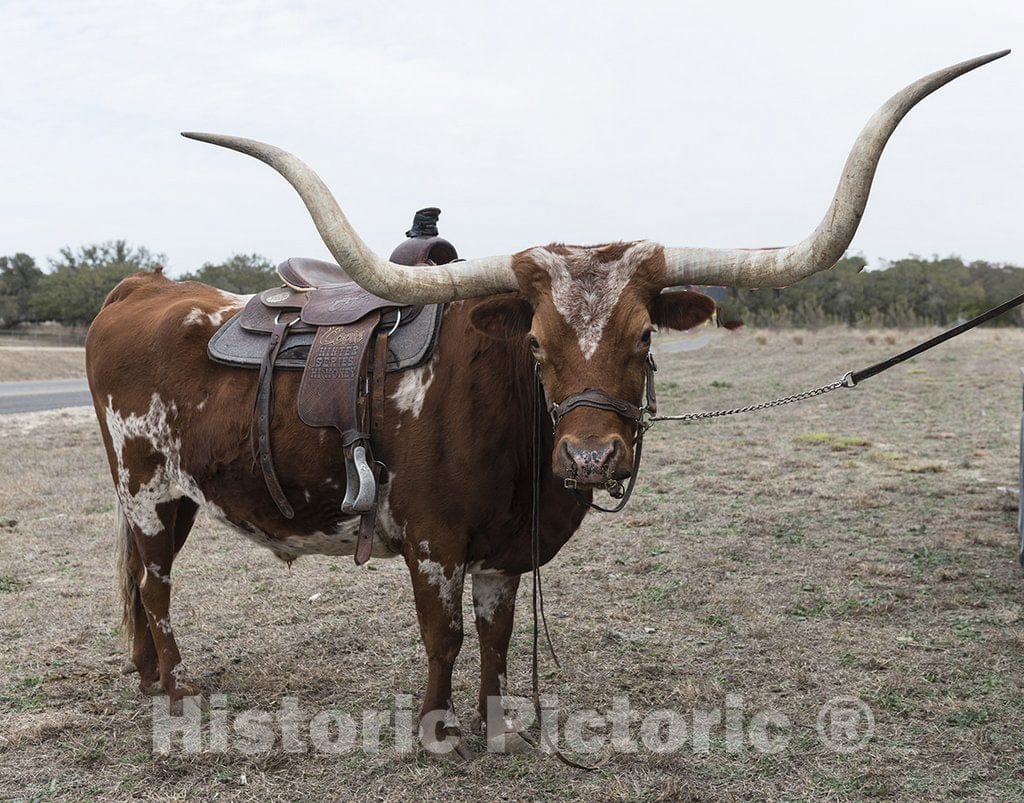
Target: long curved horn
778,267
423,284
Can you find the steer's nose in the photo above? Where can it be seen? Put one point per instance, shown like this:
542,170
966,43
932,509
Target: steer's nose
592,462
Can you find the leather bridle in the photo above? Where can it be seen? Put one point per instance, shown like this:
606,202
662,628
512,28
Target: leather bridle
639,417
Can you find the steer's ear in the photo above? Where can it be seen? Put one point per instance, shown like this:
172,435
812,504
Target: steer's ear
502,317
682,309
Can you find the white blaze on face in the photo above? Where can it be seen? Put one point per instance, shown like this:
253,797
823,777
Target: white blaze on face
586,290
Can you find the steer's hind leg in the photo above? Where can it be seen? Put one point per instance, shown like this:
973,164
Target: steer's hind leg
437,587
136,624
494,603
154,649
136,621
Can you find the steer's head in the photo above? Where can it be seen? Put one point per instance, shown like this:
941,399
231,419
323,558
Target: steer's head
587,316
589,311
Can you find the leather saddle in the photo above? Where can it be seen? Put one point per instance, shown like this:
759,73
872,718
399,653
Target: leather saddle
344,340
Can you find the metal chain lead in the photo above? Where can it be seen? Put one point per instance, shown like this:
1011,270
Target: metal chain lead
845,382
851,378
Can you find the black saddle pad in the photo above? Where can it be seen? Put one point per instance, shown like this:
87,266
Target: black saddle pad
410,345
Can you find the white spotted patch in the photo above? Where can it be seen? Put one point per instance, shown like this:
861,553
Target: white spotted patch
254,534
154,570
197,315
170,482
490,592
180,675
234,299
153,427
477,567
412,389
387,531
449,588
340,541
585,290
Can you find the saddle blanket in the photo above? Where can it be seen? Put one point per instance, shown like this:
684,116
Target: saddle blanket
409,346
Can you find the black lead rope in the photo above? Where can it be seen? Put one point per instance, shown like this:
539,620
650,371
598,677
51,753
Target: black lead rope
878,367
853,378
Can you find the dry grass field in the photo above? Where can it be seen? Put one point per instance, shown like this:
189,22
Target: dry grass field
858,544
41,362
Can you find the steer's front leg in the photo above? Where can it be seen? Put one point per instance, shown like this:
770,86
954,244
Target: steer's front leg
437,586
494,603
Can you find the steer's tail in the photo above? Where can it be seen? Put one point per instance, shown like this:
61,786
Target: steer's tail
128,588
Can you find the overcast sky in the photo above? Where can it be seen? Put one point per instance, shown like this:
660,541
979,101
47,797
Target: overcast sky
707,124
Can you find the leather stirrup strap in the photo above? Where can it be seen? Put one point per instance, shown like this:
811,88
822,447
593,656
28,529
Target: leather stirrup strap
377,368
260,438
378,372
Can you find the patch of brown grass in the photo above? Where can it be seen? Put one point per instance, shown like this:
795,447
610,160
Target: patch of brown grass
749,562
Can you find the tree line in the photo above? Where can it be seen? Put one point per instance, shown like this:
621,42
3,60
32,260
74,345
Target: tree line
908,292
72,290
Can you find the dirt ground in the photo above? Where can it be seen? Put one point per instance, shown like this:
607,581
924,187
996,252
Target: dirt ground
860,544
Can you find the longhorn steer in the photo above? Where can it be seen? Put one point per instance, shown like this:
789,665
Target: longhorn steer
457,439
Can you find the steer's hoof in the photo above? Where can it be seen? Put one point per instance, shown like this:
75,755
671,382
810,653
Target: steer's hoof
509,742
151,688
177,705
452,746
183,688
463,751
187,688
507,739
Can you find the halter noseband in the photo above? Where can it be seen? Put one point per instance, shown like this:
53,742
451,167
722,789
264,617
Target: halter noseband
639,417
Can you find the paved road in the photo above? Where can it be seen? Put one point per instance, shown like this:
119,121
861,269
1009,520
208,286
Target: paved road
28,397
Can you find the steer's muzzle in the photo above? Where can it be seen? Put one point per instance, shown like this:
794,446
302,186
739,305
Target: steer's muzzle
592,461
